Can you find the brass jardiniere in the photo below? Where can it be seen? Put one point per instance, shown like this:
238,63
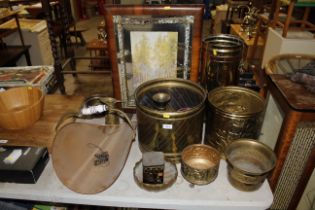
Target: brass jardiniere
170,115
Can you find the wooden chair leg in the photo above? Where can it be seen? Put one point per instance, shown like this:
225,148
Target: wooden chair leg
28,57
101,6
75,34
82,40
305,17
288,19
275,18
252,53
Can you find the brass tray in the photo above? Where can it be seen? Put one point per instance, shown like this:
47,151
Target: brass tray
170,176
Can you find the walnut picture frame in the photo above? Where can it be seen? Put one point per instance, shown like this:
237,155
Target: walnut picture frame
124,23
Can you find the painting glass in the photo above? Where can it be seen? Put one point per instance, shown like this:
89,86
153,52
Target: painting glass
151,47
154,55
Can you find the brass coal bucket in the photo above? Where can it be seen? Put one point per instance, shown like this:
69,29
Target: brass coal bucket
170,115
233,112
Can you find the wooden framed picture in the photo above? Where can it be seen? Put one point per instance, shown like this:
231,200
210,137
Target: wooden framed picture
149,42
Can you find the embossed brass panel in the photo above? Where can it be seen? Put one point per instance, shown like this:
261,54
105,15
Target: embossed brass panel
200,164
234,112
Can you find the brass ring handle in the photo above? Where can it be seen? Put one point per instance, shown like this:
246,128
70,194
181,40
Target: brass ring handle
75,115
65,116
125,117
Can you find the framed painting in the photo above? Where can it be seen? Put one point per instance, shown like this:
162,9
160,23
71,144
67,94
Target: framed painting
148,42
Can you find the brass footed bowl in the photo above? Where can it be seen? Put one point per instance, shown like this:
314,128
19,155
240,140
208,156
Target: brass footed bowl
249,163
200,164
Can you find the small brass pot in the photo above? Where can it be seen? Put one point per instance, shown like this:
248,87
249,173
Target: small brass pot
249,163
200,164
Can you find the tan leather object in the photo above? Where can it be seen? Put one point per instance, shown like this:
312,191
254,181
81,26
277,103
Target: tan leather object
88,158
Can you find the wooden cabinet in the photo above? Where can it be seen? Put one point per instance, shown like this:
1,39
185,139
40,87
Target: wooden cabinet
289,128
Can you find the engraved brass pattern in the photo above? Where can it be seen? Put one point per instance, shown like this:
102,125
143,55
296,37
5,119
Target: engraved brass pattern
245,182
224,129
234,112
200,164
197,176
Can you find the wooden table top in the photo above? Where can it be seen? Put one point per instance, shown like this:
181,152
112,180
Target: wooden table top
8,14
296,95
42,133
24,24
279,69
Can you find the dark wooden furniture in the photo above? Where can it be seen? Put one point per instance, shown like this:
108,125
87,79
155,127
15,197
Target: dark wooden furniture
42,133
295,146
10,54
11,3
37,12
17,2
76,32
233,14
64,25
98,47
155,12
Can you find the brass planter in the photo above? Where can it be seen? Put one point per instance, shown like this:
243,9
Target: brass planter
234,112
170,115
200,164
249,163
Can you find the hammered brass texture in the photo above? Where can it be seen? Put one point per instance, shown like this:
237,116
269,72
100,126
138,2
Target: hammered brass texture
249,163
178,125
233,112
200,164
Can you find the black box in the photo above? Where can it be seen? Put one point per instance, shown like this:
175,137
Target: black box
153,167
27,168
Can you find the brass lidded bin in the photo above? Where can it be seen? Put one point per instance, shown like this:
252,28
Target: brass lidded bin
234,112
170,115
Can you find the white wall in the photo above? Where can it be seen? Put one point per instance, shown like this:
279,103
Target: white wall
296,42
